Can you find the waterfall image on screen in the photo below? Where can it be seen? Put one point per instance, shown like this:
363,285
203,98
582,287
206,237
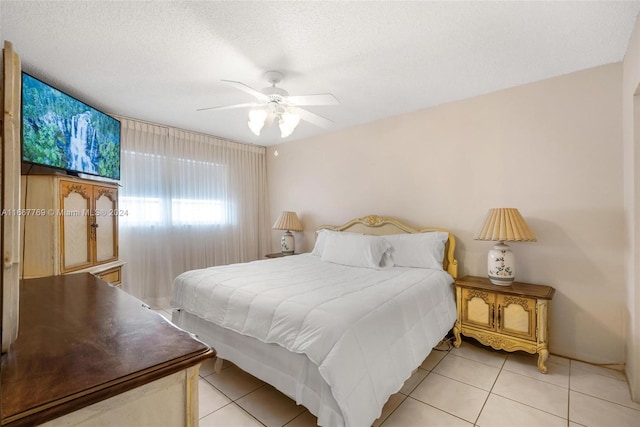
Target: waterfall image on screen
61,132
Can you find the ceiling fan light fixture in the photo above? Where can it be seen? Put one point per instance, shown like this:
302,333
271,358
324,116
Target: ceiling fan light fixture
275,103
256,120
288,123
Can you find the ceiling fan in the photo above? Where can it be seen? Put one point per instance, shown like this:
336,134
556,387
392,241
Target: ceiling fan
276,103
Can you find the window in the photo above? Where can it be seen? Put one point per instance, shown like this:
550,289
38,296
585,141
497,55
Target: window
201,212
187,194
141,211
193,201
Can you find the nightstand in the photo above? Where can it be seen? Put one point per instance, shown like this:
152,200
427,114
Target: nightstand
507,318
277,255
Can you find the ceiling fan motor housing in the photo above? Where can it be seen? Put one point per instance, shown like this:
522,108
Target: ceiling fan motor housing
275,93
274,77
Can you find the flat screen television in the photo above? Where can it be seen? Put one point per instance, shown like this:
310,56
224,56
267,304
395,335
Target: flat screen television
61,132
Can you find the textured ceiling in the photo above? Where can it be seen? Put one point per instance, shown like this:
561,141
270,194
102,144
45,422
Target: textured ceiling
160,61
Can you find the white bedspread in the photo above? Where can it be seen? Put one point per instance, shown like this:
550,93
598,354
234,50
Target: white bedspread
366,330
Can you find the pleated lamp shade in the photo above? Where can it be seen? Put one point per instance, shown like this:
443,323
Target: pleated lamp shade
506,225
288,221
503,225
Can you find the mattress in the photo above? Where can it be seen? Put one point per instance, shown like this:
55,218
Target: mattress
359,332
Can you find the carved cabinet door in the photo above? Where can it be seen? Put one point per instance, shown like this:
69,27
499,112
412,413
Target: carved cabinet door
478,308
517,316
75,226
105,224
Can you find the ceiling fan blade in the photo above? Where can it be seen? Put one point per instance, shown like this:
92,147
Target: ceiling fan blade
229,107
248,89
313,118
319,99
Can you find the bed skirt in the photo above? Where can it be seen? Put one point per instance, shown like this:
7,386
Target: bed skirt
291,373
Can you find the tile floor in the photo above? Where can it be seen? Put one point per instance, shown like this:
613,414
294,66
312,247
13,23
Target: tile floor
467,386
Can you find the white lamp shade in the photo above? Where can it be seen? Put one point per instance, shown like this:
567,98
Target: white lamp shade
288,119
288,123
256,120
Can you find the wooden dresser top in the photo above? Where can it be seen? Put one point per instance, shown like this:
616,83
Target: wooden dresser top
516,288
82,341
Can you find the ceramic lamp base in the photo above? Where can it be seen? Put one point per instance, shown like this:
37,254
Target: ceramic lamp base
501,265
287,243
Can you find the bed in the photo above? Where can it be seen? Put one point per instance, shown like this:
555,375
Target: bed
340,329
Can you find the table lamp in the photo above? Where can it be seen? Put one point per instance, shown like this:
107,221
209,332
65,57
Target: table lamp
503,225
289,222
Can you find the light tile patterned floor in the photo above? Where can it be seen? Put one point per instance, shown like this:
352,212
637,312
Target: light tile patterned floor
467,386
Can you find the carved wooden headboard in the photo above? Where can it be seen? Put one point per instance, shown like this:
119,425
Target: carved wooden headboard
383,225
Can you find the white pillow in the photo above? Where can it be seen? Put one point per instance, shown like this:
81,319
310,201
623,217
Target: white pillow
321,239
420,250
357,250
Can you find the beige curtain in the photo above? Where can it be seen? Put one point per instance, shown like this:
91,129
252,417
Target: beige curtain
189,201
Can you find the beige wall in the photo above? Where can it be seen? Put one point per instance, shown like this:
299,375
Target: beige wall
631,144
553,149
